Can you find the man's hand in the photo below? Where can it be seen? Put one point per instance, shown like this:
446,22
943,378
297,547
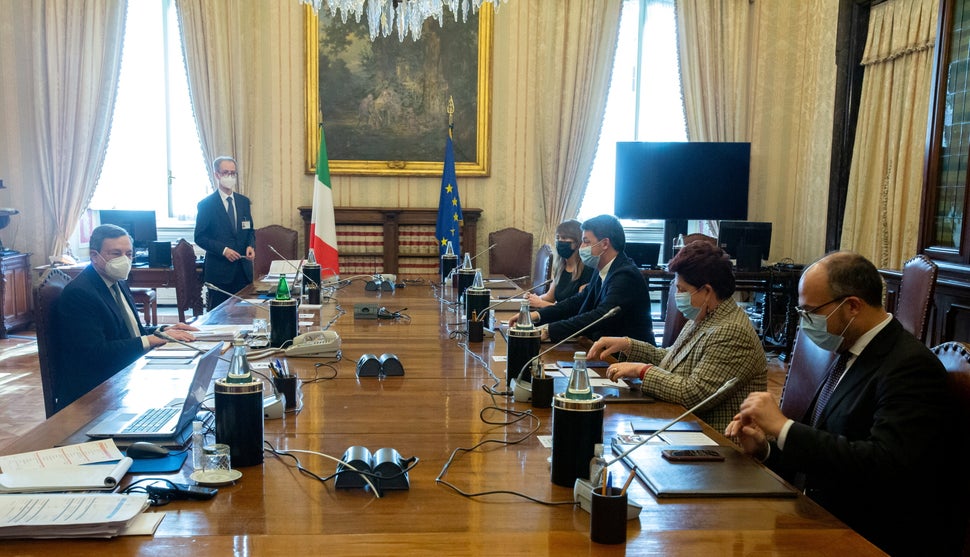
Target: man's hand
748,436
760,409
607,346
181,327
231,254
180,334
250,253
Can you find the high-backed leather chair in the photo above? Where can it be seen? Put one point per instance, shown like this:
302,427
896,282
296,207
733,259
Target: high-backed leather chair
188,284
915,297
512,254
955,357
807,369
674,321
45,296
542,268
283,240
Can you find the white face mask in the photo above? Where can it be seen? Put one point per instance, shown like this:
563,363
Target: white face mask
117,268
228,182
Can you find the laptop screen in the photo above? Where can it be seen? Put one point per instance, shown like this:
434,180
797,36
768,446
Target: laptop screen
200,385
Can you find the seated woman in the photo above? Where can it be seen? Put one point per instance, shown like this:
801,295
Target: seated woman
570,274
717,343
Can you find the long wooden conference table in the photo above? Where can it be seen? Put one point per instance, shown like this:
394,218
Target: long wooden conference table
434,409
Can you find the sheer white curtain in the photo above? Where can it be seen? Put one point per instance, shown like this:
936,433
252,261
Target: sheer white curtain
574,54
78,46
882,207
213,37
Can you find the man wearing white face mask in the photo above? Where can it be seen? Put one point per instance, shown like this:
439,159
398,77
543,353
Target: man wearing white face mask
97,327
867,450
224,229
717,343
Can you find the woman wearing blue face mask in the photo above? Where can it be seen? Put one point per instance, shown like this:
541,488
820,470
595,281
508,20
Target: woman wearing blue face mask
571,274
718,342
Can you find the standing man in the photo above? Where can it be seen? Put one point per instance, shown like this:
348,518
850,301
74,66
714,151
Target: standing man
617,282
96,327
871,448
224,229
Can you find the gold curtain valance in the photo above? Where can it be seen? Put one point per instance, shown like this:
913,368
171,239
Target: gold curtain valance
900,27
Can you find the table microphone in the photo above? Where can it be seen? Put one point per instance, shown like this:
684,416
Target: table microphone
521,390
502,301
583,488
489,248
211,286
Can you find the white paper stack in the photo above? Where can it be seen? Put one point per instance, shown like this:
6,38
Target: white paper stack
78,515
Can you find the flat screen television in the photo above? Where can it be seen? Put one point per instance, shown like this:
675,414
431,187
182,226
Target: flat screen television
682,180
139,224
747,242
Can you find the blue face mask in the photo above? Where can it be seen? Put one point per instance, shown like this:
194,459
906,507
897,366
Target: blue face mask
587,257
683,304
817,330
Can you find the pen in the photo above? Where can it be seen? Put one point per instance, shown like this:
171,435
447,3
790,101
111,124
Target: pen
629,480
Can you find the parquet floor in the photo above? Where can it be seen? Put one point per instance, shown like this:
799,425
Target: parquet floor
22,397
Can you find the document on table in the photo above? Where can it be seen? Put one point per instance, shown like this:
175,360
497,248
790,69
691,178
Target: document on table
90,477
102,450
77,515
219,332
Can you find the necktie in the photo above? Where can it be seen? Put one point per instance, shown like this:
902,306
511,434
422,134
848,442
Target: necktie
231,209
838,370
125,310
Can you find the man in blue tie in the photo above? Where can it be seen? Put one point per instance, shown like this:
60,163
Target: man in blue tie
224,229
96,326
616,283
875,448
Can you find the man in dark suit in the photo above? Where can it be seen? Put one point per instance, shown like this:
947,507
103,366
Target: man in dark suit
618,282
875,448
224,229
97,328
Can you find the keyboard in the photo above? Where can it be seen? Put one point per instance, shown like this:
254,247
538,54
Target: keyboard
152,420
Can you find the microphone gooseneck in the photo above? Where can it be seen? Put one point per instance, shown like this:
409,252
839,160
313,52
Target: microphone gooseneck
502,301
295,267
170,338
211,286
489,248
607,315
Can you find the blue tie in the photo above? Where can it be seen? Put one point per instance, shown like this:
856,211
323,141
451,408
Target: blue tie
231,209
838,370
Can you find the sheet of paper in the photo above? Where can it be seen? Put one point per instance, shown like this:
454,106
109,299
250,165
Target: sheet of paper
497,358
103,450
687,438
546,440
68,515
602,382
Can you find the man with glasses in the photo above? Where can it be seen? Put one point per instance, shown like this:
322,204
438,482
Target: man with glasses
617,282
224,229
874,449
96,326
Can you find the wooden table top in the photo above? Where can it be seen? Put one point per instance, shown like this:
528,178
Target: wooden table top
434,409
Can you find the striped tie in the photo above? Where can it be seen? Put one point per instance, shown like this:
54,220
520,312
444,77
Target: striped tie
838,370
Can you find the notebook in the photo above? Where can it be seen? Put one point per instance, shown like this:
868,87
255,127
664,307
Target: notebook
644,255
161,422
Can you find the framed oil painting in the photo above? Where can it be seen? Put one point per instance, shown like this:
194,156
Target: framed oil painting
383,104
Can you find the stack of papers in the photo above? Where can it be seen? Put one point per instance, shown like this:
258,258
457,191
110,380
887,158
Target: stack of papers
64,469
77,515
219,332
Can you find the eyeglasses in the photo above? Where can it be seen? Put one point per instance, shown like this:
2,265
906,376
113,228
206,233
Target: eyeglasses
808,313
228,173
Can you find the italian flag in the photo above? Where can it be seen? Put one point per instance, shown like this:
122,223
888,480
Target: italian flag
323,233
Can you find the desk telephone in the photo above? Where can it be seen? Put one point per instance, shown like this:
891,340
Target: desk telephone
319,344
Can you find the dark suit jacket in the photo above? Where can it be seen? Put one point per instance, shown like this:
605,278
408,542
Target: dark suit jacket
92,335
214,233
624,286
876,459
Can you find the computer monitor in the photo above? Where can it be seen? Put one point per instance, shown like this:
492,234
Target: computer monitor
139,224
747,242
644,255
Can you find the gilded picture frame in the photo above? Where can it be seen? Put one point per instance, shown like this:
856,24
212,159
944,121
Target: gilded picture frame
379,120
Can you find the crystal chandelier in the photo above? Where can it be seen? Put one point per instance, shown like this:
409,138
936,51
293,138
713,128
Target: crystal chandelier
408,15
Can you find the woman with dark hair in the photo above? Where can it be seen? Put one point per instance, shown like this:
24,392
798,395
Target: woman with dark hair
571,275
717,343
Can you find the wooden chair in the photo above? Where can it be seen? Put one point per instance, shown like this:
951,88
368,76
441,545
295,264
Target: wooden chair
283,240
45,297
674,320
188,286
146,300
955,357
512,254
542,268
915,298
807,369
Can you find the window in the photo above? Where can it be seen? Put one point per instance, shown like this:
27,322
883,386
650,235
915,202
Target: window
154,158
648,86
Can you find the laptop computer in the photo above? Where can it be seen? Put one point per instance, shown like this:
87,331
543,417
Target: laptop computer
644,255
162,422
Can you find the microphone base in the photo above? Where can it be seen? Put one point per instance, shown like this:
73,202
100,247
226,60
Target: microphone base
521,391
583,494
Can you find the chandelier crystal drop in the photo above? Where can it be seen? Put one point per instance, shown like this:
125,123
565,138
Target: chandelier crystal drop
407,15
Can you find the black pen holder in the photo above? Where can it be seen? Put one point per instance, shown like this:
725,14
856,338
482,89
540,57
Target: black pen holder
282,322
476,331
289,387
542,392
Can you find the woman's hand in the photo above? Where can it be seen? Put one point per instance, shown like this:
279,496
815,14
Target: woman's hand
625,369
608,346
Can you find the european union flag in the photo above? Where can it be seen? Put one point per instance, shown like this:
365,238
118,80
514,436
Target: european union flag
449,206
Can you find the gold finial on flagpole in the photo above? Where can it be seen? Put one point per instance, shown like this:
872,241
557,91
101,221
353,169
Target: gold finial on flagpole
451,114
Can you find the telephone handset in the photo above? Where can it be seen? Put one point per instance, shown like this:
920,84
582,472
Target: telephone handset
319,344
